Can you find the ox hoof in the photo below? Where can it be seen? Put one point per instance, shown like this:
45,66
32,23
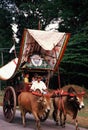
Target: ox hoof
77,129
38,128
57,123
63,126
24,125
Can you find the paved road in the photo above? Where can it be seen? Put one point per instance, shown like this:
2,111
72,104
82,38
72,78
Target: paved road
30,123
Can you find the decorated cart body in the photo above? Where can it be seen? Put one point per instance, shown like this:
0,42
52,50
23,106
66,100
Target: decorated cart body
41,53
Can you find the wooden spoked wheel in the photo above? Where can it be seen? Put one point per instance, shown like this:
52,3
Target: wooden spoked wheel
9,104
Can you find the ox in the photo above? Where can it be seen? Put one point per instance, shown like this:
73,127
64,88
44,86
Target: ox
39,105
67,103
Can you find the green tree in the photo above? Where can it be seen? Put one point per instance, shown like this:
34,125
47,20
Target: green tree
74,66
73,19
5,33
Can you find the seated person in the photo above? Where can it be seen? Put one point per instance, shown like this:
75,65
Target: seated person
34,79
39,85
27,83
26,78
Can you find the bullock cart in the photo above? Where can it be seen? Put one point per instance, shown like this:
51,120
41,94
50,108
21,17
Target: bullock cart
40,53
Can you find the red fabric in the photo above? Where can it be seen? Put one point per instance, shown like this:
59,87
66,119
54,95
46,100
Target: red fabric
27,87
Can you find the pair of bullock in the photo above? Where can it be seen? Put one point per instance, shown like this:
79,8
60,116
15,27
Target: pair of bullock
39,105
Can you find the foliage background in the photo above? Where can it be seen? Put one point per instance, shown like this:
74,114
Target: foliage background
73,16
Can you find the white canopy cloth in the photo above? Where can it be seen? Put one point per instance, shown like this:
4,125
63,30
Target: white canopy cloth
46,39
49,45
7,71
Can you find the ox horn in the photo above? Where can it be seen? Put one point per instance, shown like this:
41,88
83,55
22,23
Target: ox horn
82,93
49,94
36,93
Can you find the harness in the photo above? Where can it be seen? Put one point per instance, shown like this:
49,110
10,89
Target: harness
61,102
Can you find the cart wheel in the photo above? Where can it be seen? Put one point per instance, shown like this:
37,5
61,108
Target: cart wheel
9,104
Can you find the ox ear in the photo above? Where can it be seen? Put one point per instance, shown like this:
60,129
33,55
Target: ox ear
83,93
71,98
40,99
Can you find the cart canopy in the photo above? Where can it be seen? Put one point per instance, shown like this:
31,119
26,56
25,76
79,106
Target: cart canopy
40,50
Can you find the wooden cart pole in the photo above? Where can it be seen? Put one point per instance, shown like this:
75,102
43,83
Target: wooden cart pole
59,83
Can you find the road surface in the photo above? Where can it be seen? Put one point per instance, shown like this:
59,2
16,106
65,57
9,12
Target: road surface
30,123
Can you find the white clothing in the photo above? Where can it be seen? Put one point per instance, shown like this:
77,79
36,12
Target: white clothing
38,85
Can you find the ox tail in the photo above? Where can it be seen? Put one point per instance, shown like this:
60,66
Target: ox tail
19,101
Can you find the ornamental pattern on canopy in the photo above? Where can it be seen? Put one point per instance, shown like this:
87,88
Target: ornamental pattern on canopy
46,44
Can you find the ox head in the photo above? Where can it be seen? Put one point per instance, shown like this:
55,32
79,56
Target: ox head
44,106
76,98
79,97
44,103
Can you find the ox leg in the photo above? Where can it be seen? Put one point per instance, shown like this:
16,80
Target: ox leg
61,118
76,124
23,117
64,122
37,121
57,117
38,124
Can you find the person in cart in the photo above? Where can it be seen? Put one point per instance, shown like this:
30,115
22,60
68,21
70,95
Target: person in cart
39,85
26,82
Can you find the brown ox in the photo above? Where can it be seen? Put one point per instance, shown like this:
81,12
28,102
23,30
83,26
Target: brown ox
38,105
67,103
